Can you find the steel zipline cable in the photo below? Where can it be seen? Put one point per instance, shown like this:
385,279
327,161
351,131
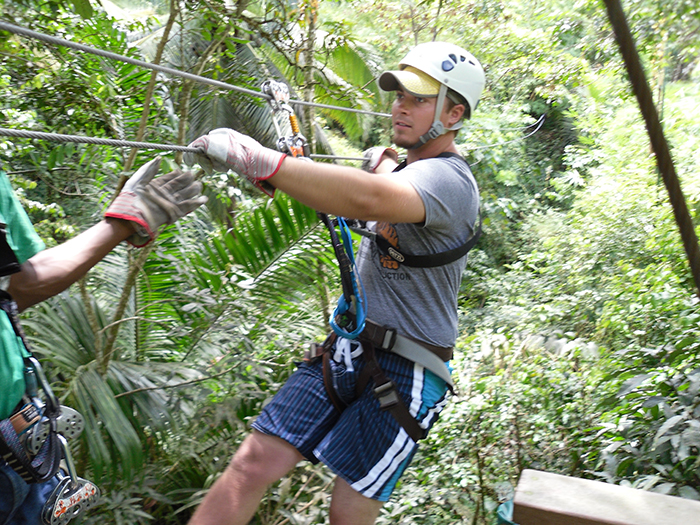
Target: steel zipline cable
163,69
57,137
204,80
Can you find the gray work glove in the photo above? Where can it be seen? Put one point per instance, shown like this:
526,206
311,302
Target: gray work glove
374,156
151,203
224,149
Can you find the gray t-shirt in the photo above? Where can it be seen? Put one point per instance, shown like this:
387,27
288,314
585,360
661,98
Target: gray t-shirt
422,302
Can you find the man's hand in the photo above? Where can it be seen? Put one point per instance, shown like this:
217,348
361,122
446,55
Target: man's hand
224,149
150,203
373,157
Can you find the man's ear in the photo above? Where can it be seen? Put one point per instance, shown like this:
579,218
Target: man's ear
455,114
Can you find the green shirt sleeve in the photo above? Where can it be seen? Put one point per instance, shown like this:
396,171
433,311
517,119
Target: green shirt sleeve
25,242
21,236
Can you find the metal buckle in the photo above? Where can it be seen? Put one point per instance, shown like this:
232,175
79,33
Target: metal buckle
389,339
386,395
313,352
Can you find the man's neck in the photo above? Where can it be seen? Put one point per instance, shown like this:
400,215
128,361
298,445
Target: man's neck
433,148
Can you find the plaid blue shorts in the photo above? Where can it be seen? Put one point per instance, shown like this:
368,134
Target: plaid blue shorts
363,445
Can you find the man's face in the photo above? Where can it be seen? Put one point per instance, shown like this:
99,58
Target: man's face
411,117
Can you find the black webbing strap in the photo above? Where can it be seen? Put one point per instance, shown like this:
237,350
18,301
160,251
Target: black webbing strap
384,388
338,403
388,396
324,351
8,259
43,466
429,260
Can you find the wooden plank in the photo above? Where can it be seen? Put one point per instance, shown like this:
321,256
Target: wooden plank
542,498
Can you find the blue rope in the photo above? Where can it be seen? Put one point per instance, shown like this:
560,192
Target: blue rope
343,304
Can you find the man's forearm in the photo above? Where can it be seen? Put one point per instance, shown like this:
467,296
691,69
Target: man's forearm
349,192
51,271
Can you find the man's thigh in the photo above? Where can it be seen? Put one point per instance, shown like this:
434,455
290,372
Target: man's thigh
301,413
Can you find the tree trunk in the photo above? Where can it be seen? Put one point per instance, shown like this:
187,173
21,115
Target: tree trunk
310,16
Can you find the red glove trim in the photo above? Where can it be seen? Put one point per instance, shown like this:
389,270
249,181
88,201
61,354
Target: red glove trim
277,168
131,218
267,188
138,237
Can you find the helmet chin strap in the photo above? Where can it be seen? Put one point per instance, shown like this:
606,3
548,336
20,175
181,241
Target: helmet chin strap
437,128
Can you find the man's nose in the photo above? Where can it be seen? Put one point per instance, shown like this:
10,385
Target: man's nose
403,104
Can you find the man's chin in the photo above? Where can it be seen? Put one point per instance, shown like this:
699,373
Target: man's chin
403,142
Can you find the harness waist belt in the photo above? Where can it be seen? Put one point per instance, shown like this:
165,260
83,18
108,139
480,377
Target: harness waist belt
388,340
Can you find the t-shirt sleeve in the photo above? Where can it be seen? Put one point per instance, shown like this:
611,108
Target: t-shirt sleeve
448,191
21,236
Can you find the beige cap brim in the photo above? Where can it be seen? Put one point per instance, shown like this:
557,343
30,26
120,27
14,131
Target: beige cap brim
411,80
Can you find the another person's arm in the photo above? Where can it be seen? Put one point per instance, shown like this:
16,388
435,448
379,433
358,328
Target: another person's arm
51,271
142,207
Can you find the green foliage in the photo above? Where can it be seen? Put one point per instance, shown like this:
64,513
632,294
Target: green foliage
522,404
579,327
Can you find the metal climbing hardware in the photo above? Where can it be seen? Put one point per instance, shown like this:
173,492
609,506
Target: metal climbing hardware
386,395
69,423
33,439
71,496
294,144
348,319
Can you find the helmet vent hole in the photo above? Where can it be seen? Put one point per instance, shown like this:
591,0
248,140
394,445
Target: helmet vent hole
462,59
447,65
453,57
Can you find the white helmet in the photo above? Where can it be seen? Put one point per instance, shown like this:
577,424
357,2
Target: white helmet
429,70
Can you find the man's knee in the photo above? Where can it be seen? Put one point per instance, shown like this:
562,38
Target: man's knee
263,459
248,463
349,507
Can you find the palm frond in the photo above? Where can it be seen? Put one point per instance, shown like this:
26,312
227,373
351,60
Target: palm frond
62,337
112,442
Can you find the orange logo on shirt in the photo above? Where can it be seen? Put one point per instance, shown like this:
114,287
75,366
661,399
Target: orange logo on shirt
388,231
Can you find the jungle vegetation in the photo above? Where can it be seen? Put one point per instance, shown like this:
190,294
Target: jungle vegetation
579,347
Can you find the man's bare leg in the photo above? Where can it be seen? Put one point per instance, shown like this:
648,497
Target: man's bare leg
235,496
349,507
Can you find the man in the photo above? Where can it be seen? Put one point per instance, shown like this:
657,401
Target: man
429,206
29,275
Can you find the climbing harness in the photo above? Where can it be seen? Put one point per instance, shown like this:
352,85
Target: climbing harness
33,439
